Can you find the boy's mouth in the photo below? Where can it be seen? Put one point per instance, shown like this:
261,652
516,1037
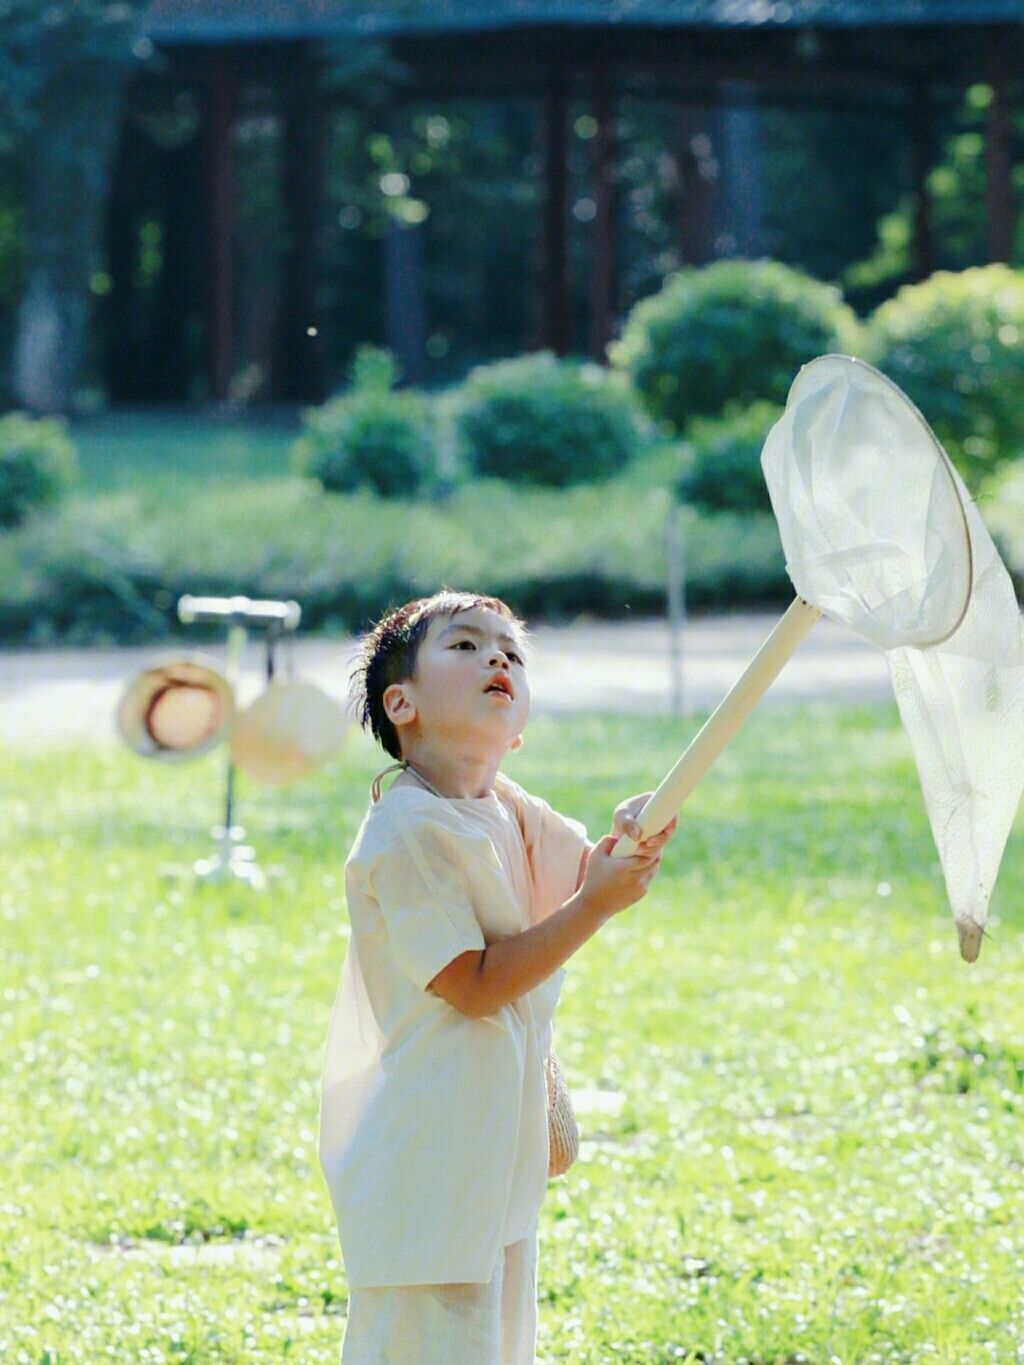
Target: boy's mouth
500,683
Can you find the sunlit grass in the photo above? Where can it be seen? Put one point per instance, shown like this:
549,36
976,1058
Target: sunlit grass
129,450
801,1112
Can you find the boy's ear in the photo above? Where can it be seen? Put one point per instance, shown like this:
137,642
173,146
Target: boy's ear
398,706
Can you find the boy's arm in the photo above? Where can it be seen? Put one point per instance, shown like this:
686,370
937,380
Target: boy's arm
480,982
583,865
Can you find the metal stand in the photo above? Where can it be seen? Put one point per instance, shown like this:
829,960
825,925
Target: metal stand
675,556
233,860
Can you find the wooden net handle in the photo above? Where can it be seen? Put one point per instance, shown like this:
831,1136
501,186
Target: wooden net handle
723,722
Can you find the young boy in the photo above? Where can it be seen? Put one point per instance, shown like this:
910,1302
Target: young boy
466,895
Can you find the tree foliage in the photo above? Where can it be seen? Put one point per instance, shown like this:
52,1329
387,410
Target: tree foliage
730,332
722,460
37,466
62,67
537,419
369,435
956,199
955,345
65,45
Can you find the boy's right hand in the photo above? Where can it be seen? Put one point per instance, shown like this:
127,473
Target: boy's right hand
611,884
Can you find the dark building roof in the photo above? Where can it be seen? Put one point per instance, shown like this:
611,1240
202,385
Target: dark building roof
225,20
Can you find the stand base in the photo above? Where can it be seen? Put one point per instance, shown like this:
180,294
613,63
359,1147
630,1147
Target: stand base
187,872
237,867
231,860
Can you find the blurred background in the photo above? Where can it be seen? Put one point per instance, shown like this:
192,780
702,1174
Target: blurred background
305,300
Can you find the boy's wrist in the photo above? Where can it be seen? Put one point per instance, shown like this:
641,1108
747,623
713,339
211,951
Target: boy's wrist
585,905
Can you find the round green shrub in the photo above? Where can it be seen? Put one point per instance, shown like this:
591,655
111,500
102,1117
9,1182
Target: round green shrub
37,465
731,332
955,345
538,419
370,434
723,460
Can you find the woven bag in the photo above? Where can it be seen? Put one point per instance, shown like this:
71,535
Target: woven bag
563,1134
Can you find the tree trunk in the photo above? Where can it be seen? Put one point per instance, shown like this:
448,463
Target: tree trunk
70,154
741,177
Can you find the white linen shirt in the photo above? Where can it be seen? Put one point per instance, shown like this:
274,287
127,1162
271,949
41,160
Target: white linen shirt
433,1126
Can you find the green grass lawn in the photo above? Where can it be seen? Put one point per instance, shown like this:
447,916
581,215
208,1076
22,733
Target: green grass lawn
173,450
129,450
801,1111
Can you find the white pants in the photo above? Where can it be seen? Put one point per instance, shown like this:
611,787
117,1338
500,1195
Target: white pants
450,1324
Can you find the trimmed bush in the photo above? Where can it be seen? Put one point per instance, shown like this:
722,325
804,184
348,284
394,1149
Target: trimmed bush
723,460
75,578
370,435
114,567
541,420
731,332
37,465
955,345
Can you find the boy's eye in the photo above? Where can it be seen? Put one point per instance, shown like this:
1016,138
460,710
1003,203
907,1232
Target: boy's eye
511,653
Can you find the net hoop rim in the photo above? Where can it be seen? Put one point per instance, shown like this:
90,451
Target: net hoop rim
944,460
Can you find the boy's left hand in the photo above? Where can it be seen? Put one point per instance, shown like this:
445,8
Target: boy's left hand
624,821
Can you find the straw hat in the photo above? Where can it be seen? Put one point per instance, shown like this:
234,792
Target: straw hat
289,730
176,709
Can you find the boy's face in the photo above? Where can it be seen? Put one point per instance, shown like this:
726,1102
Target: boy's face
452,698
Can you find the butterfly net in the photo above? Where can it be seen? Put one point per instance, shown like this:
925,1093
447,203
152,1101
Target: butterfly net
880,533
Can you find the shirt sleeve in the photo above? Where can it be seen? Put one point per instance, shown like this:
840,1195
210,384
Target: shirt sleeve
555,844
424,900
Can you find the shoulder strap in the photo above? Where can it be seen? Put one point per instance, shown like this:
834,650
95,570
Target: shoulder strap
375,788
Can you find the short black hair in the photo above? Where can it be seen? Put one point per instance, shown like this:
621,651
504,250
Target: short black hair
388,653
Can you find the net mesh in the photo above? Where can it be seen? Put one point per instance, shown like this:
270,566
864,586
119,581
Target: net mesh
881,534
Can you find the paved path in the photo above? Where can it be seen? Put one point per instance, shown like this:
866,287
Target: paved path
62,695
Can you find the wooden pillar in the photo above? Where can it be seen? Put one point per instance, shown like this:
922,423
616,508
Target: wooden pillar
220,208
404,306
556,215
998,188
176,203
698,185
741,182
299,344
123,350
920,119
602,280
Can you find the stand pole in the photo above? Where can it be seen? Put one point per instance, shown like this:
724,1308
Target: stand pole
674,555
